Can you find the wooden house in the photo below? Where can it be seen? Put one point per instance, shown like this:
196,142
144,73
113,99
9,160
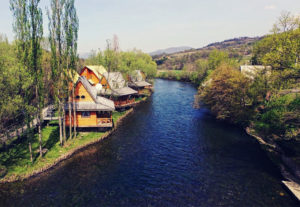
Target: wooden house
93,73
113,86
91,109
137,81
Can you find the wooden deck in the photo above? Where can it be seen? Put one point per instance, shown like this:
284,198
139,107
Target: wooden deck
48,113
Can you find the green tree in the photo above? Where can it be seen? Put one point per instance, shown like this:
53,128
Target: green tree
56,40
281,50
71,25
29,31
227,95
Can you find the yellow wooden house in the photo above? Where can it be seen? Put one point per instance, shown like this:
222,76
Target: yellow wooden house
91,110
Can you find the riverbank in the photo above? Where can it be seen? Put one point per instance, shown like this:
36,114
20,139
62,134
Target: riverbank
179,75
21,168
289,168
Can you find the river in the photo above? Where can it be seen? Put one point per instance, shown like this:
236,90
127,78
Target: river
165,154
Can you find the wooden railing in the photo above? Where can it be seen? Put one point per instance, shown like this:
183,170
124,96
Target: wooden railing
125,102
101,121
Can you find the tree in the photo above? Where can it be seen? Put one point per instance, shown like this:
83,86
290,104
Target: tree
281,50
227,95
28,27
63,27
71,24
36,28
115,60
56,43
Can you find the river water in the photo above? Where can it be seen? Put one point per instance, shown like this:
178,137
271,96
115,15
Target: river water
165,154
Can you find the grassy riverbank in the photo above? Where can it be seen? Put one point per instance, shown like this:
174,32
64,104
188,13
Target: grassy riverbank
179,75
16,158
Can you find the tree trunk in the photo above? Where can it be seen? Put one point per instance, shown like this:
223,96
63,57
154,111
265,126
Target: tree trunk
74,112
30,151
64,123
70,118
60,124
38,119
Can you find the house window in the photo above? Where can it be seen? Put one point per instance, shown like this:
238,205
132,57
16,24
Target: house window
83,97
85,114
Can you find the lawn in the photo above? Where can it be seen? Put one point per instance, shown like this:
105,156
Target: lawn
16,156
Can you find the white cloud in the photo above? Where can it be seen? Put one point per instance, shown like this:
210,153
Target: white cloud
270,7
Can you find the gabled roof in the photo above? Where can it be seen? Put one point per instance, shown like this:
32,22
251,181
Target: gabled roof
142,84
136,76
101,102
99,70
137,79
124,91
115,80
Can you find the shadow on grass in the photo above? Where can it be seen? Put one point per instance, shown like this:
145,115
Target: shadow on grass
53,139
17,153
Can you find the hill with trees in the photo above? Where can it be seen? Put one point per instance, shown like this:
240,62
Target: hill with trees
238,48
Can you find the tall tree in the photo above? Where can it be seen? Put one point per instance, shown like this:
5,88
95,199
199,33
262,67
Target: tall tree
36,29
55,16
28,28
71,25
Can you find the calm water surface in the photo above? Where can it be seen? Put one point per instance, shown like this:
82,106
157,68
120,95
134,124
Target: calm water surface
166,154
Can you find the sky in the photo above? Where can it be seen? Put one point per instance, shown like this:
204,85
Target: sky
158,24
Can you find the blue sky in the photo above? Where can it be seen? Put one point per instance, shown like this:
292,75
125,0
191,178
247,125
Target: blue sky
156,24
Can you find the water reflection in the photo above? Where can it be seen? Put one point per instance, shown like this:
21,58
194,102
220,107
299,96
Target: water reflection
167,154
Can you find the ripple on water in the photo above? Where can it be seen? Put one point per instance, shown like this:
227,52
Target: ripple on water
166,154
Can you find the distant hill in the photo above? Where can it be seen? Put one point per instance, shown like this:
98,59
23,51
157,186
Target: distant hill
233,43
170,50
240,48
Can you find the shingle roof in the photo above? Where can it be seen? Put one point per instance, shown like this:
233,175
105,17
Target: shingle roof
136,76
142,84
137,79
99,70
115,80
117,85
118,92
90,106
124,91
99,102
90,89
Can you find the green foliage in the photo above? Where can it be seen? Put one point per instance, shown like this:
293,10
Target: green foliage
125,62
216,58
280,117
227,94
280,50
12,97
16,158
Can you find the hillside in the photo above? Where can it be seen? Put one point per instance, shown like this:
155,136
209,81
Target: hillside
170,50
240,48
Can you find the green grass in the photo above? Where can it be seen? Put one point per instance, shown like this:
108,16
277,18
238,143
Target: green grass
16,157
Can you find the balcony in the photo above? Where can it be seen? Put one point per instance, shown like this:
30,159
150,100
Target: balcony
124,103
104,122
